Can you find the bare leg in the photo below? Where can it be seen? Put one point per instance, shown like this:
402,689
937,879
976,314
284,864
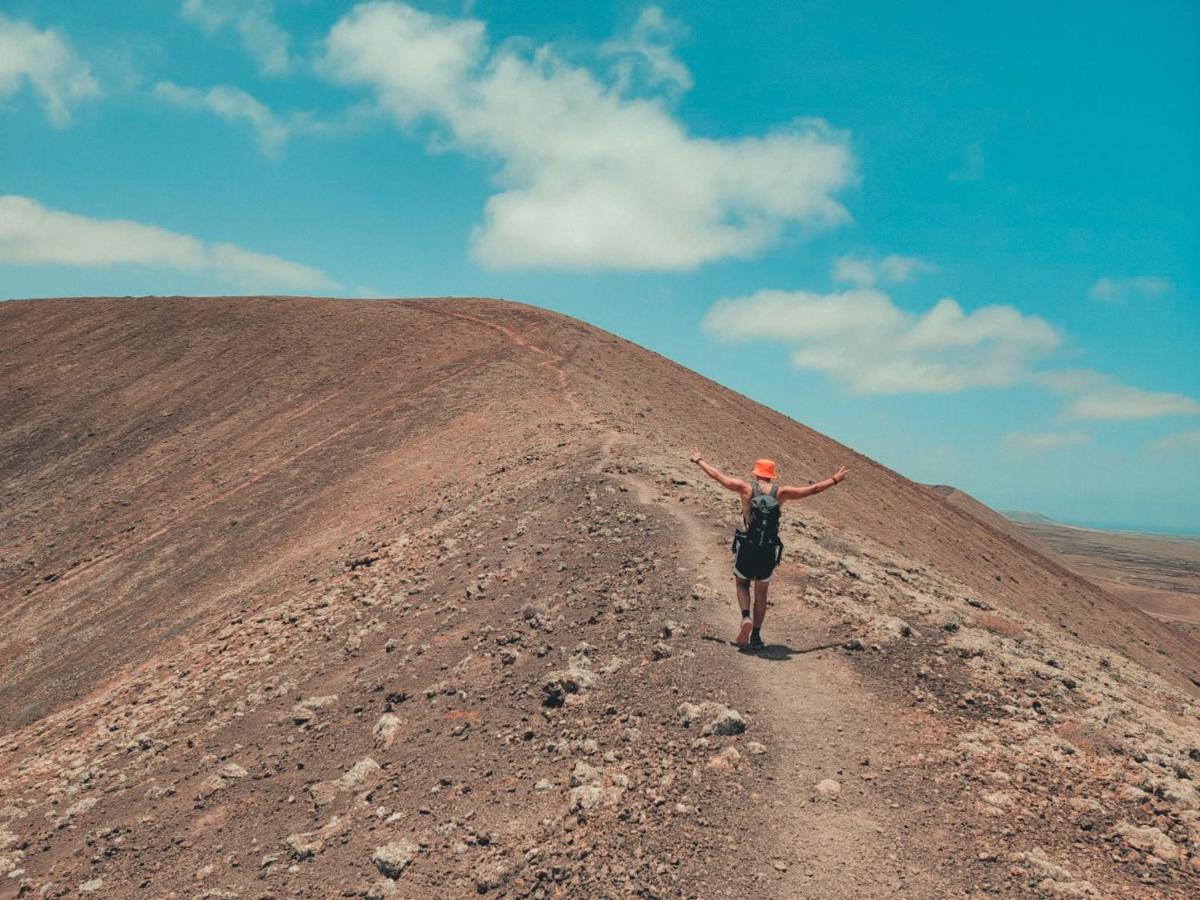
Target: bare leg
743,593
760,602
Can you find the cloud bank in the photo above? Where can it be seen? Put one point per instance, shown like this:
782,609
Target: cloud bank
31,234
46,61
589,177
860,338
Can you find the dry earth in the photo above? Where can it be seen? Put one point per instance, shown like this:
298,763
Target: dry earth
1157,573
308,598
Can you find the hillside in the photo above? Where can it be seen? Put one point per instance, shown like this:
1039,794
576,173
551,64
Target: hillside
410,597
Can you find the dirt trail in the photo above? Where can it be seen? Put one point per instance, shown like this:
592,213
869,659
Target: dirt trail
822,721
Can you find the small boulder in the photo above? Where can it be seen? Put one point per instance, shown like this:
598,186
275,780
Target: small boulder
392,859
727,722
557,685
386,730
1149,839
828,788
303,846
584,774
584,798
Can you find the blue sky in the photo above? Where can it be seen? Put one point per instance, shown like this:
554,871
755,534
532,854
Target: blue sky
961,238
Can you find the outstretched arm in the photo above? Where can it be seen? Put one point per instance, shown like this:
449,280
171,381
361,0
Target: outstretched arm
732,484
798,493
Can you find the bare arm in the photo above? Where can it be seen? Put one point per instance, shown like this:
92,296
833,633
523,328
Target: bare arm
729,483
799,493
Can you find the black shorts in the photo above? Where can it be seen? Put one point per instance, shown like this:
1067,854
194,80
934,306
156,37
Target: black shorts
752,562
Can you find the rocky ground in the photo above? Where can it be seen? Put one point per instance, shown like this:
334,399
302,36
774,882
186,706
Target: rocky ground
511,677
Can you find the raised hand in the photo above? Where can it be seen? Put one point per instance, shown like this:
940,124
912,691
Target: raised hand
695,457
840,474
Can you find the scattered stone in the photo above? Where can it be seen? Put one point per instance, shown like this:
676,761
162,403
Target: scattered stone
360,775
584,798
303,846
584,774
726,759
828,788
557,685
1148,839
382,889
392,859
492,874
671,628
726,722
386,730
719,719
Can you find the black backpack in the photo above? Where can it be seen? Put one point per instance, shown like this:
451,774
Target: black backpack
763,529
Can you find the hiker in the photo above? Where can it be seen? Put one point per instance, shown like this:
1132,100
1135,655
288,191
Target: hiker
756,545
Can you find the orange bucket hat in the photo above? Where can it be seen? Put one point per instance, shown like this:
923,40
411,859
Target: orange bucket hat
764,468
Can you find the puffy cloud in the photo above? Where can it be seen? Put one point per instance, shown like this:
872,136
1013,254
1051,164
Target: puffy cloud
1119,290
892,269
30,234
862,339
647,53
46,60
233,105
1034,443
590,177
254,22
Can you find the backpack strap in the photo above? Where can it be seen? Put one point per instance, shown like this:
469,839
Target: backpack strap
755,490
775,491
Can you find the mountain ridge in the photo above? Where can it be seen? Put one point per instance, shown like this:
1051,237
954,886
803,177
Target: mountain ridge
221,513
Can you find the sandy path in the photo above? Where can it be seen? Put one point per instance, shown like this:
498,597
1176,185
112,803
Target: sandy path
822,722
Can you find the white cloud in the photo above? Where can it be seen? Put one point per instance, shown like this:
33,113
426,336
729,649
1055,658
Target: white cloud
892,269
647,53
590,178
254,22
233,105
1034,443
1121,402
1094,395
862,339
1180,442
46,60
30,234
1119,290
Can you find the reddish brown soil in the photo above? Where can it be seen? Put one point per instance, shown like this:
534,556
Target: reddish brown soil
239,533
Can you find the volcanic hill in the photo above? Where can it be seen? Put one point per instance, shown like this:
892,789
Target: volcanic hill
422,598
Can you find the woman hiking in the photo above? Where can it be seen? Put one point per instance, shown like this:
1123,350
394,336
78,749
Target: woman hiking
756,545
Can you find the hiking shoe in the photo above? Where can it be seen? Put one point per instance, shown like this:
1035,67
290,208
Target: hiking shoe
756,642
743,637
